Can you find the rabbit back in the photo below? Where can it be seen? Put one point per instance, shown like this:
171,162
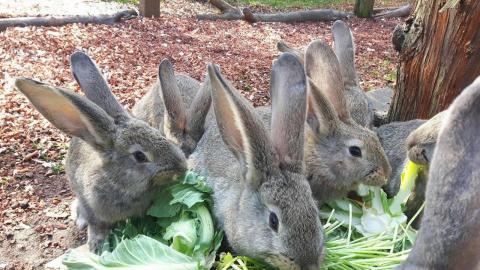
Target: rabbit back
449,236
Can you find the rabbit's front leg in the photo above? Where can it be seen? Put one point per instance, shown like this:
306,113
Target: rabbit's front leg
96,235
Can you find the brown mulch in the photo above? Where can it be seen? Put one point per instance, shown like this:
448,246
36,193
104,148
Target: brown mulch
34,193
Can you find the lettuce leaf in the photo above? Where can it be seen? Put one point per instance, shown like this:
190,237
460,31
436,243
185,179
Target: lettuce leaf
177,232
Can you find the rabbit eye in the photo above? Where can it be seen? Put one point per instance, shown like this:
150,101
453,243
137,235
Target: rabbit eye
140,156
273,221
355,151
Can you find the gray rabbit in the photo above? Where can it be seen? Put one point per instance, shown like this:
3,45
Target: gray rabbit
449,236
357,101
339,153
415,139
262,199
177,105
115,162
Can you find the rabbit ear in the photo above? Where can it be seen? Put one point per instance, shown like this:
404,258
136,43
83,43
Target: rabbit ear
344,47
421,142
176,115
288,89
322,117
94,85
283,47
199,108
69,112
449,237
322,67
242,130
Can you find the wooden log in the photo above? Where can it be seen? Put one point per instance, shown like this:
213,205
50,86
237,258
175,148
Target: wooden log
294,16
59,21
402,11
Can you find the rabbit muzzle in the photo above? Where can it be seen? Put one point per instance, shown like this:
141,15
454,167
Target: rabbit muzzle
377,177
421,154
168,175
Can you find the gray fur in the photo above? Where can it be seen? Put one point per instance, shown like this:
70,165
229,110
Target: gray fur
177,106
109,183
357,102
421,142
344,47
393,138
414,139
253,175
94,85
283,47
332,170
449,237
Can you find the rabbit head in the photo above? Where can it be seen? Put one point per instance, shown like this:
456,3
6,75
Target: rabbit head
177,105
449,237
272,214
340,154
117,142
421,142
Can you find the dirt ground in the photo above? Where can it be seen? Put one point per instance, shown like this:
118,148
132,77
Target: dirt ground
34,192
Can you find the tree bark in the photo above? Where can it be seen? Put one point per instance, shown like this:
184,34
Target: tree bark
439,57
149,8
364,8
58,21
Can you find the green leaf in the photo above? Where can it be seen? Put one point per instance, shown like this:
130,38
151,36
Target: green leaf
162,206
142,253
183,235
186,195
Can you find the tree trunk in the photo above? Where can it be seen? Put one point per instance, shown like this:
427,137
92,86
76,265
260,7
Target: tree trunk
364,8
149,8
439,57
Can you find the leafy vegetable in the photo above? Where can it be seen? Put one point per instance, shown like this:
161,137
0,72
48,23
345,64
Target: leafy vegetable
177,233
141,252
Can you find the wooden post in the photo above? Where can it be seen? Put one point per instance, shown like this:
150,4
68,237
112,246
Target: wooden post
439,57
150,8
363,8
